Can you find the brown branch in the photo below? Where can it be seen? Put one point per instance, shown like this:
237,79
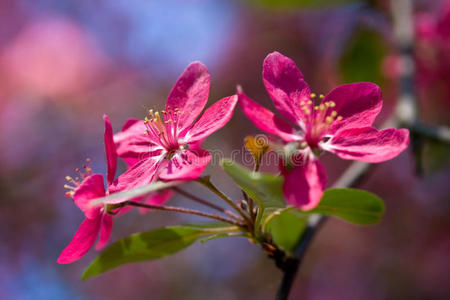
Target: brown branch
184,211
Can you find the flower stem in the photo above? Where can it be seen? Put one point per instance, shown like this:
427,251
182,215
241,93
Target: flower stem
183,210
230,202
205,202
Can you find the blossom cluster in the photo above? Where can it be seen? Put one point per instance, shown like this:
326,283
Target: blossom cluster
166,145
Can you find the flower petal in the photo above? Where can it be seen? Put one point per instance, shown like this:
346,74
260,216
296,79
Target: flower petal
214,118
285,85
304,184
368,144
92,187
140,174
82,241
105,231
357,103
189,94
110,150
266,120
157,198
185,165
133,145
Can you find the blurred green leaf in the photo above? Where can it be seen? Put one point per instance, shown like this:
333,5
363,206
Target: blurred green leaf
286,227
362,60
149,245
289,4
352,205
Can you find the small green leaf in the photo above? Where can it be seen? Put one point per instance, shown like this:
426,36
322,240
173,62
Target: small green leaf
286,227
352,205
149,245
264,188
221,235
133,193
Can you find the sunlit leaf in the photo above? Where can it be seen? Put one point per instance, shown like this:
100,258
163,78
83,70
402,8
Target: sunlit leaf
133,193
264,188
149,245
352,205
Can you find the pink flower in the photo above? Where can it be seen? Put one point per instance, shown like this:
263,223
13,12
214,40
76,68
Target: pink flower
166,145
97,219
340,124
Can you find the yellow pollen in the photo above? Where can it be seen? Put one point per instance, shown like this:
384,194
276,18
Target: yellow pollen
88,160
151,113
327,104
310,102
313,95
68,178
332,103
316,107
339,118
334,113
322,107
321,96
329,120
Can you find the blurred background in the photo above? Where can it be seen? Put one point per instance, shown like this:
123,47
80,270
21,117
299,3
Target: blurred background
65,63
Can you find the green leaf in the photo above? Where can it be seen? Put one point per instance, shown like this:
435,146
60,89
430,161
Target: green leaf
352,205
286,227
222,235
264,188
149,245
133,193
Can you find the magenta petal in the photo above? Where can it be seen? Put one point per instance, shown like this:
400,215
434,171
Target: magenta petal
157,198
82,241
91,188
304,184
357,103
185,165
368,144
105,231
265,120
110,150
189,94
140,174
133,145
214,118
285,85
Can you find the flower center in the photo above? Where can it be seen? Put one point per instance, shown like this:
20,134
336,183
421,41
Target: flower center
75,182
163,128
318,119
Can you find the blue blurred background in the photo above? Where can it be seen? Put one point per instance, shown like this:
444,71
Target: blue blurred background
63,64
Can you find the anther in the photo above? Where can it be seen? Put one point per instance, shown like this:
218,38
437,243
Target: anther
313,95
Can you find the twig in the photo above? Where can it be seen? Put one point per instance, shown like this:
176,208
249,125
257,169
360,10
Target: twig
183,210
224,197
205,202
